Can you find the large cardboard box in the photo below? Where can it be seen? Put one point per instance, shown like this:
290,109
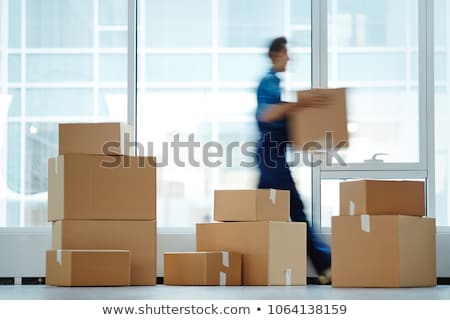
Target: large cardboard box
114,138
383,251
202,268
88,268
89,187
251,205
273,253
309,126
139,237
382,197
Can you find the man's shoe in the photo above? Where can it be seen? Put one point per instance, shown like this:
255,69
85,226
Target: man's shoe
325,277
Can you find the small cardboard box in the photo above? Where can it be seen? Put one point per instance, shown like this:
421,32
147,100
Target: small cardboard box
382,197
202,268
101,187
273,252
84,268
319,128
252,205
113,138
139,237
383,251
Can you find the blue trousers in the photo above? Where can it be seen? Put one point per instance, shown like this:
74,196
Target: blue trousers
275,174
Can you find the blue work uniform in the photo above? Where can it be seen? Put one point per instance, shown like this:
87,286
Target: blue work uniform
274,170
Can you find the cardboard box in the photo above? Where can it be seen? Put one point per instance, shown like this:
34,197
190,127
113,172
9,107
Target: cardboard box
114,138
83,187
383,251
252,205
273,253
74,268
202,268
139,237
308,126
382,197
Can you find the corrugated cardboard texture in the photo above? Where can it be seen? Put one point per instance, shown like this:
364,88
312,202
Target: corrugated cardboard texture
282,251
88,268
310,124
379,258
260,243
252,205
383,197
89,138
81,187
418,248
201,268
139,237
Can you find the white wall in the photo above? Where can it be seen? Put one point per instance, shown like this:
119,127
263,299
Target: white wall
22,251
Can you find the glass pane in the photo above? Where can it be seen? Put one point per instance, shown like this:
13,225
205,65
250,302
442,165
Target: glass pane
255,65
113,104
300,65
178,67
14,103
59,23
14,23
301,12
113,39
13,159
59,68
442,112
14,68
113,68
375,128
112,12
250,23
41,143
373,51
59,102
177,23
329,205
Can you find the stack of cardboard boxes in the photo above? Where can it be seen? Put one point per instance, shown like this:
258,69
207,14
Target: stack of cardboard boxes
102,205
381,238
255,223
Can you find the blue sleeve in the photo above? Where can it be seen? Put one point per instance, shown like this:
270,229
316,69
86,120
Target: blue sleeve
268,94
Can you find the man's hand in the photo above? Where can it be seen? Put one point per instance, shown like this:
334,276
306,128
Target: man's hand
313,98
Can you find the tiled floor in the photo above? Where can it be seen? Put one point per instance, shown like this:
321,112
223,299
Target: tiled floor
161,292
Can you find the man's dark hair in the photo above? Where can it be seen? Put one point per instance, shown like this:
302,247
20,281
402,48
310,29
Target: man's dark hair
277,45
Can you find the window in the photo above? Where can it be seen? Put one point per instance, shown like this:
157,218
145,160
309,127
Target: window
64,62
373,49
198,70
442,114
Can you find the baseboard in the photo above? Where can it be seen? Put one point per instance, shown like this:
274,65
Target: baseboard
442,281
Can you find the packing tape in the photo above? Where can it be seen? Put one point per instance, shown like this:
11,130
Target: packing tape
351,208
59,256
288,274
365,223
223,278
273,195
225,259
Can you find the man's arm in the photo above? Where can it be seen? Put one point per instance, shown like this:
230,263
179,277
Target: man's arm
307,99
277,111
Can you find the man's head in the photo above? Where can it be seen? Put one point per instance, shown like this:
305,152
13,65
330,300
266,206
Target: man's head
278,54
